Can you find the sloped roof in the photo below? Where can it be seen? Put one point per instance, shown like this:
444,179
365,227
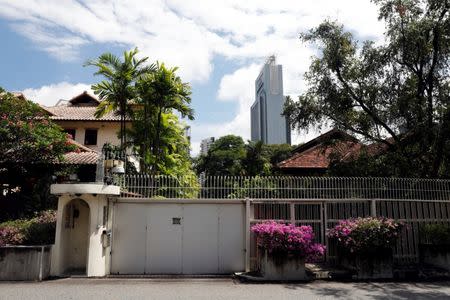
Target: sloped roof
84,99
82,156
79,113
316,154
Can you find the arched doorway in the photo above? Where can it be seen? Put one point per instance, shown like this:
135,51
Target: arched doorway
75,236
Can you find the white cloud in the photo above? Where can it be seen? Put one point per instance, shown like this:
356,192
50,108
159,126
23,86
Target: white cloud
189,34
48,95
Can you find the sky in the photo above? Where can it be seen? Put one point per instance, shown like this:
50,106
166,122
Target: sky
218,45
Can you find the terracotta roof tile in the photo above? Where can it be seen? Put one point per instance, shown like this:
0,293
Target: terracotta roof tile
79,113
80,158
317,153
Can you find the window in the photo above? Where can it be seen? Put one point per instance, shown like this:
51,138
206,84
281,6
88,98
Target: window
71,132
90,137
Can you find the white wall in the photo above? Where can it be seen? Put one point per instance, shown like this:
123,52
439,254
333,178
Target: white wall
209,240
62,252
107,132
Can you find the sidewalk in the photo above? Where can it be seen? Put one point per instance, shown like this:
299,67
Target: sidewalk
223,288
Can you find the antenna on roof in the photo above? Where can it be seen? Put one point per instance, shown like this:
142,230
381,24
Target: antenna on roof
271,60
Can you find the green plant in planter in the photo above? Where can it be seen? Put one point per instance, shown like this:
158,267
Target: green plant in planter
365,235
365,245
434,246
435,234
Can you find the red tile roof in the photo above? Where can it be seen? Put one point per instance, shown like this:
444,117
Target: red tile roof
79,113
81,158
317,153
319,156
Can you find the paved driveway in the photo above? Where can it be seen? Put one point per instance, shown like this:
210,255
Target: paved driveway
217,289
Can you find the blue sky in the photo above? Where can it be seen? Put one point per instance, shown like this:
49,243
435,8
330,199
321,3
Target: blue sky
219,46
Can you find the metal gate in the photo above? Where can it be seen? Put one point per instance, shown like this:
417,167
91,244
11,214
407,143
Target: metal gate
178,237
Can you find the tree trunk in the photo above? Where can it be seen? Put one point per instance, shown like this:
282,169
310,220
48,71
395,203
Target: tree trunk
156,143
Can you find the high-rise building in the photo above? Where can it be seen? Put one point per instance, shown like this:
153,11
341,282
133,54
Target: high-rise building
205,145
267,123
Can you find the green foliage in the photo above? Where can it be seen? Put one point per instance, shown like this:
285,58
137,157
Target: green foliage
224,157
230,156
30,144
149,96
396,94
39,230
118,87
435,234
159,136
28,136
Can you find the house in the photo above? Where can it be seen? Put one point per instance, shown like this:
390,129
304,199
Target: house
313,158
88,133
77,117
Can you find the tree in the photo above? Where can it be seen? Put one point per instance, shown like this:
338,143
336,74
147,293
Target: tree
174,147
118,87
161,92
30,145
28,135
254,162
224,157
395,94
276,153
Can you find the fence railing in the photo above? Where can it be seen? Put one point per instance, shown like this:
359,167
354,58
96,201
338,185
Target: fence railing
323,215
317,201
283,187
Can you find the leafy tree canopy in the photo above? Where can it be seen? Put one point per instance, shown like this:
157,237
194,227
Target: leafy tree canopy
396,94
117,88
28,136
159,93
230,156
30,143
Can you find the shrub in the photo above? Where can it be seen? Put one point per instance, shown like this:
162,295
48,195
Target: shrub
36,231
10,236
435,234
281,239
364,235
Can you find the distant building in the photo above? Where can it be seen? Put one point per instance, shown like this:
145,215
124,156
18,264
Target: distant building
267,123
205,145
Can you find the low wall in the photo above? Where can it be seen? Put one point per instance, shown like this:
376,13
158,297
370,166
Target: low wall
25,262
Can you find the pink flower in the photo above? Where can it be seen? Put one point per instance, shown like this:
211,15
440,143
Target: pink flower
276,237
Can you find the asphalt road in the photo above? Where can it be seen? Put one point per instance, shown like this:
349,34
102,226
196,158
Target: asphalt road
98,289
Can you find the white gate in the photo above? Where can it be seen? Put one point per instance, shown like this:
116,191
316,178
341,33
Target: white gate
178,237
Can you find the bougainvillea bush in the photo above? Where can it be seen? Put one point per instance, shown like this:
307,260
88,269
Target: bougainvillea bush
281,239
364,235
39,230
10,235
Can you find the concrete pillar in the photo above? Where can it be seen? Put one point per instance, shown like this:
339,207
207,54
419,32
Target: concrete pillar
96,196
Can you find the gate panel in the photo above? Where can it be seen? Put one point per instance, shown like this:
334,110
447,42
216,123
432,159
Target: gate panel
200,239
164,239
231,238
128,245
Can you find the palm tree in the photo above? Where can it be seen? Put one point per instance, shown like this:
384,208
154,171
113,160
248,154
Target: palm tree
163,91
118,87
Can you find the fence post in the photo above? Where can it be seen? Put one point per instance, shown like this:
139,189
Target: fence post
373,208
292,212
247,234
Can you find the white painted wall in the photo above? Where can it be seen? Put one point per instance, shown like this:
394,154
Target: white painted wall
209,240
107,131
65,241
